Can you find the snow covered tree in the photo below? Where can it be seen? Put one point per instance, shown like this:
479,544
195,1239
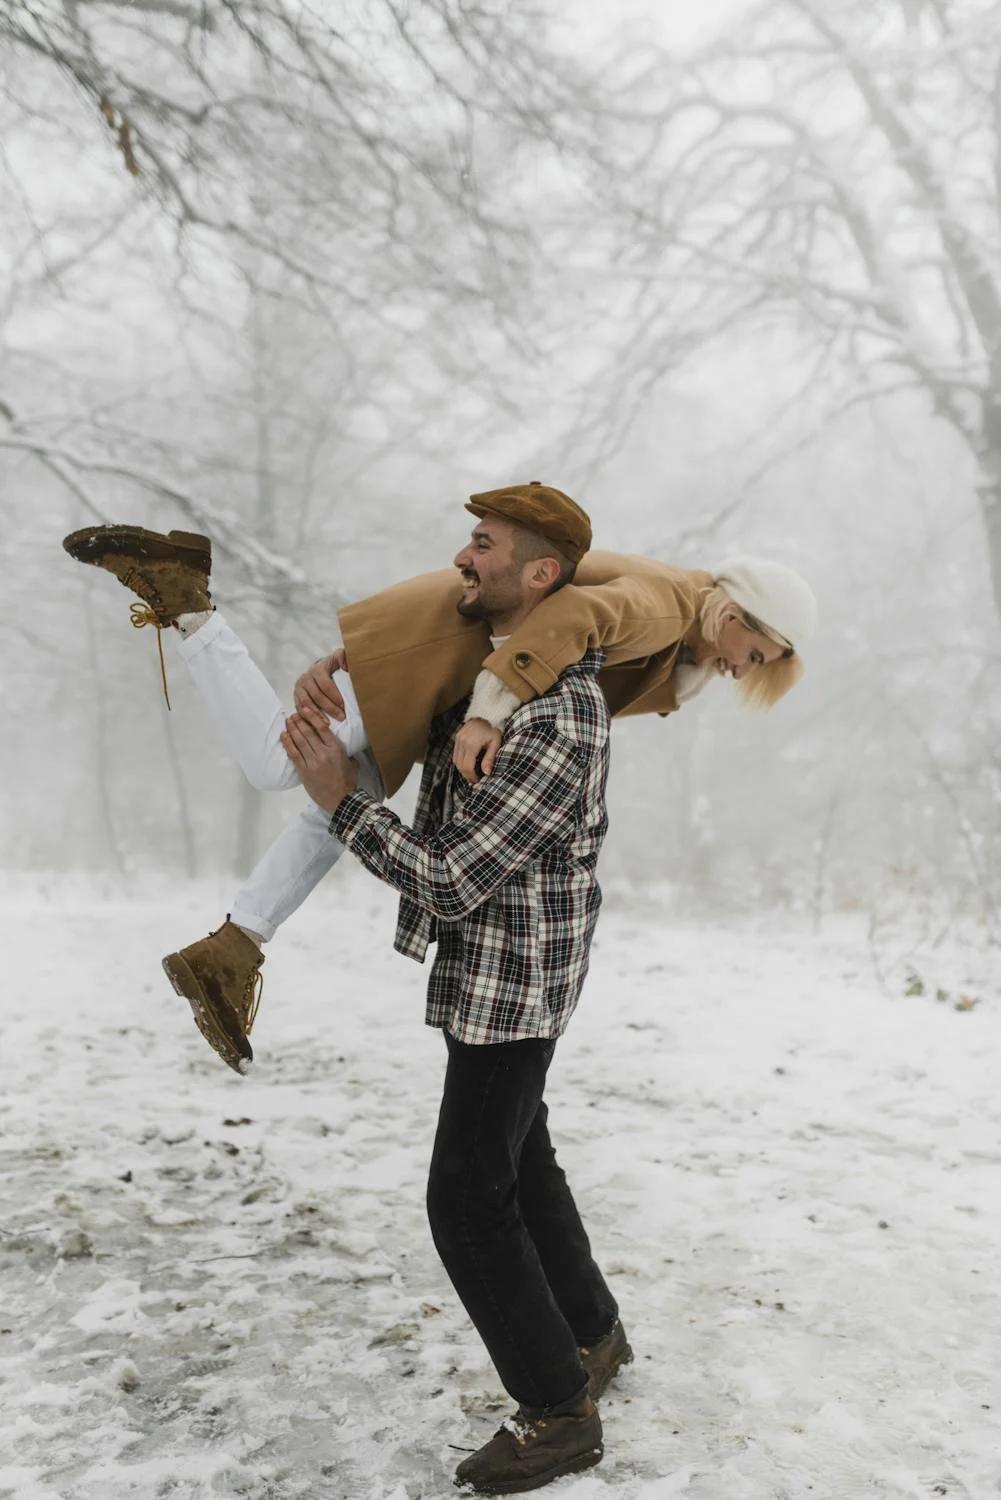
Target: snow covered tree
370,170
260,264
825,175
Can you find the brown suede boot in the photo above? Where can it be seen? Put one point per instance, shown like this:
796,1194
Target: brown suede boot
170,573
525,1454
603,1360
220,977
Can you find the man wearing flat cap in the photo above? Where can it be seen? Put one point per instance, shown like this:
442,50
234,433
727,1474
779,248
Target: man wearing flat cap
501,875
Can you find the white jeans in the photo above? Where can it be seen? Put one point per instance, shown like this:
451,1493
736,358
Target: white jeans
249,714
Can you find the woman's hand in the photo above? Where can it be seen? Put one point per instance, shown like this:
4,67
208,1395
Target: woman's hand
475,738
316,689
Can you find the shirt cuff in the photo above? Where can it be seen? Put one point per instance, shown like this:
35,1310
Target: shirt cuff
492,700
349,814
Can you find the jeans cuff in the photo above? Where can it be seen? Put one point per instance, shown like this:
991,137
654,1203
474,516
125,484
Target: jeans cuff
190,645
561,1407
244,917
590,1343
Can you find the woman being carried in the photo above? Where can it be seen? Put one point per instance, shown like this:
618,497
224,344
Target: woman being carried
421,647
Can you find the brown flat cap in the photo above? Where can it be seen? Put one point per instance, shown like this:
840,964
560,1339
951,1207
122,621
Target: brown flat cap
542,509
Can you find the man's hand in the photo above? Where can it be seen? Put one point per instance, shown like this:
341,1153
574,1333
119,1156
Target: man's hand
475,736
324,768
314,689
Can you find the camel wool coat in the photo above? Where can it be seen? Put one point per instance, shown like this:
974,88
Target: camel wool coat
411,655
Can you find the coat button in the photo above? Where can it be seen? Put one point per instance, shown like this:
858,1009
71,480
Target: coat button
523,659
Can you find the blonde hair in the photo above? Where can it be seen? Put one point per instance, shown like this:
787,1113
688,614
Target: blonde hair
762,688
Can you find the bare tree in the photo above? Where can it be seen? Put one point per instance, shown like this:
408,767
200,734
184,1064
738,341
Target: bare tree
365,172
824,176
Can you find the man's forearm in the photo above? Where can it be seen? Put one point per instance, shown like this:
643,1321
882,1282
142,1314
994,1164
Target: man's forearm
410,864
526,805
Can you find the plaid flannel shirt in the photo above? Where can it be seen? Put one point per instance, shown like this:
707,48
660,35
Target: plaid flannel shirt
501,874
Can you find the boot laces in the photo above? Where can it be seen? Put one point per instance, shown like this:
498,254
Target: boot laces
252,999
523,1430
142,615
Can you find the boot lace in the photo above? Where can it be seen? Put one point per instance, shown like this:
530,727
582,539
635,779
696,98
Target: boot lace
142,615
523,1430
252,999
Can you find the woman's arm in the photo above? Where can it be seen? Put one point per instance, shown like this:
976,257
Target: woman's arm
630,614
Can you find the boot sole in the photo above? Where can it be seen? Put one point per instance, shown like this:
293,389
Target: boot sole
519,1486
237,1055
626,1358
96,542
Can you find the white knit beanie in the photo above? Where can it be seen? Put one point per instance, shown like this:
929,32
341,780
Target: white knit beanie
774,594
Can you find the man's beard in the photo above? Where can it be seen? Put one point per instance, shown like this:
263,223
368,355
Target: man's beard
476,608
473,609
501,598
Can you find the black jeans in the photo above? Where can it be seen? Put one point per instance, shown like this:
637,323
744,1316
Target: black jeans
506,1227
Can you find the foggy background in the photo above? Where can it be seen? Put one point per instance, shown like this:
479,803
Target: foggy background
303,276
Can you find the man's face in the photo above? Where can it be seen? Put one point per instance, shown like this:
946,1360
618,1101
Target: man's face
492,579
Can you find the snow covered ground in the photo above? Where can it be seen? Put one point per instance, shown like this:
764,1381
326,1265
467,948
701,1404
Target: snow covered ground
216,1287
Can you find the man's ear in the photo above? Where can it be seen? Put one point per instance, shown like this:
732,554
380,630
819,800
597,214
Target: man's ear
544,573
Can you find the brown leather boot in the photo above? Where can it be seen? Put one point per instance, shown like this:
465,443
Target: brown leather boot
169,572
525,1453
220,977
603,1360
